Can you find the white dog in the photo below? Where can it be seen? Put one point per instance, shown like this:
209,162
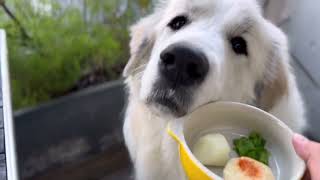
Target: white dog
191,52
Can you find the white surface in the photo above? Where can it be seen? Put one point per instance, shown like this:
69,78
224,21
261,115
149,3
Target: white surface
7,111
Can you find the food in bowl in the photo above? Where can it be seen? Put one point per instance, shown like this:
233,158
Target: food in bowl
212,150
253,147
234,120
245,168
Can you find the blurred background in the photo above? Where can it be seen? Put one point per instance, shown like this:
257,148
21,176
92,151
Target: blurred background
61,46
66,58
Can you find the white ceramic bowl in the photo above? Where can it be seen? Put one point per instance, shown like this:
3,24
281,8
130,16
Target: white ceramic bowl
234,120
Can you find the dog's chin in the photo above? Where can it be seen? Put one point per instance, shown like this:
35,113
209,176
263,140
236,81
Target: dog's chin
166,107
168,101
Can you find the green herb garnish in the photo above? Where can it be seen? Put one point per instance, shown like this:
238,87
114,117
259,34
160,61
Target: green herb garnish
253,147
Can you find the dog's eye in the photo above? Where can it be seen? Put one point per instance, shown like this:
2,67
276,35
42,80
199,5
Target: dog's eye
239,45
178,22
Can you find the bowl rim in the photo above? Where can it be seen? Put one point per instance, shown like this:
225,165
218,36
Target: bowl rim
298,175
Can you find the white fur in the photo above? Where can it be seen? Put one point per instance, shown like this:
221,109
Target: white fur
231,77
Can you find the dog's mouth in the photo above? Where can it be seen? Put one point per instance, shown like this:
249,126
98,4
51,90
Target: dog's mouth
168,104
173,101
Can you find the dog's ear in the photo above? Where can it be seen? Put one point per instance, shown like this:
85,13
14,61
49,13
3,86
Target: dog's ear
275,82
141,44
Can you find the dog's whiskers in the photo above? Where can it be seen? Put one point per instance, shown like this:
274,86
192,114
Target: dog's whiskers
139,68
139,75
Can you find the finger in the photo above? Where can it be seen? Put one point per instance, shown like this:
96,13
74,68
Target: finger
310,152
313,162
301,144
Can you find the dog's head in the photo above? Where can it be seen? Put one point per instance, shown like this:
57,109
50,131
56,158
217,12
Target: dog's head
191,52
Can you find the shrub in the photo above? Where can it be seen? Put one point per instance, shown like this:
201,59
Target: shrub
64,45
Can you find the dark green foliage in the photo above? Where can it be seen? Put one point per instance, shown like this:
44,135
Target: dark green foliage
64,44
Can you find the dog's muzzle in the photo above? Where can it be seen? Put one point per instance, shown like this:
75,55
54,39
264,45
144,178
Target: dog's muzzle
183,66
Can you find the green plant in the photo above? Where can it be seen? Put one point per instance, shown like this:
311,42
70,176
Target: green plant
63,46
253,147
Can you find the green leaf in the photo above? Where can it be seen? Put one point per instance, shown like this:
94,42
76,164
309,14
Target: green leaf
264,157
253,154
257,140
253,147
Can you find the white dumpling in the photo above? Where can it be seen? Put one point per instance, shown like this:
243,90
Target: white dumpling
212,150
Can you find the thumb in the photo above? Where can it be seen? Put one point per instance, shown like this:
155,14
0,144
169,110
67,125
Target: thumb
310,152
302,146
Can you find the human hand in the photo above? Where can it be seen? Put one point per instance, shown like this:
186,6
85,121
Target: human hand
309,151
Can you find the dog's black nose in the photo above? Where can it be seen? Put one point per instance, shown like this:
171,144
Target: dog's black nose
183,65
